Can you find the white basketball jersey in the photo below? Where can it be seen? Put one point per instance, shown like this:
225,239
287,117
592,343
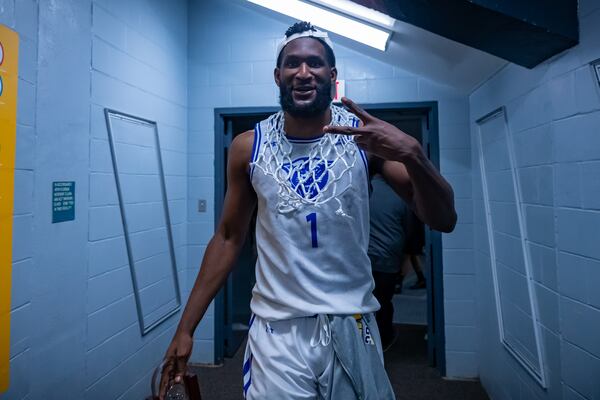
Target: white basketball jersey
312,260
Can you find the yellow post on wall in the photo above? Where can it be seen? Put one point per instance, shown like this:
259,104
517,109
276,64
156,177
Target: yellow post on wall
9,52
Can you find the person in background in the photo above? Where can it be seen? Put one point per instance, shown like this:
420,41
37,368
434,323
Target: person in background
413,250
388,217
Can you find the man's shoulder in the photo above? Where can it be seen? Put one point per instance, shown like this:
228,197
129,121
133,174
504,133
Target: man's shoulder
244,139
243,144
240,151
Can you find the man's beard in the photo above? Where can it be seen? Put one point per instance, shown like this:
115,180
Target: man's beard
317,106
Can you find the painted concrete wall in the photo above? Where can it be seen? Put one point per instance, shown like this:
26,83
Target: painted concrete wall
139,67
553,114
231,61
74,324
48,306
23,18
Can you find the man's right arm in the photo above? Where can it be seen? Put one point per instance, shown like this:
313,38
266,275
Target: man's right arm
220,255
223,249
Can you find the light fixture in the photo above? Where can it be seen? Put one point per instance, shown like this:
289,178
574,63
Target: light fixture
355,10
330,21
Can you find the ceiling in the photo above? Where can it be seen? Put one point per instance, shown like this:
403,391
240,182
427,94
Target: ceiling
434,57
423,53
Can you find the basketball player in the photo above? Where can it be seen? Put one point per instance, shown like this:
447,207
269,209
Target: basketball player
312,333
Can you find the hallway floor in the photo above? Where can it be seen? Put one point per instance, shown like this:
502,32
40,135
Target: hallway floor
406,363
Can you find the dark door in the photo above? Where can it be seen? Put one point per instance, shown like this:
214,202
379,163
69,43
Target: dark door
422,306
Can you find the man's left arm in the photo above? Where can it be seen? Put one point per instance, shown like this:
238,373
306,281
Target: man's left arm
405,167
425,190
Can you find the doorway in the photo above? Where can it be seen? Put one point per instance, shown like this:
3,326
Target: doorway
232,304
420,311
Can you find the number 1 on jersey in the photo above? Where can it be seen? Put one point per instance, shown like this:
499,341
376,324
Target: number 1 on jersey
312,218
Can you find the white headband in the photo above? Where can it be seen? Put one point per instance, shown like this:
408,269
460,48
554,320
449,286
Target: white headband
309,33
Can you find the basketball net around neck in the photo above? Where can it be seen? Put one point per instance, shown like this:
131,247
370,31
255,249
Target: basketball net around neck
328,161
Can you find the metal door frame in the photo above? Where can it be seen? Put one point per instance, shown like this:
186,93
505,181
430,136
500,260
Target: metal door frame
436,349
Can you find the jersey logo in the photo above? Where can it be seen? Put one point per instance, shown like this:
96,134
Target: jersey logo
305,181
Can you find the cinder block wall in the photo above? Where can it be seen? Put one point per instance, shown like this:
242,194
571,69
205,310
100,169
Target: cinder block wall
74,329
553,114
231,62
49,282
139,67
23,18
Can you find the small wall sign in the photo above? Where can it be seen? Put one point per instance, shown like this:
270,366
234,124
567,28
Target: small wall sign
63,201
339,91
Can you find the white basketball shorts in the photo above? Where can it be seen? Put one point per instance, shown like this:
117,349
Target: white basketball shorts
322,357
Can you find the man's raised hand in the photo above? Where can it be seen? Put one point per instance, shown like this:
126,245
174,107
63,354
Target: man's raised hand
376,136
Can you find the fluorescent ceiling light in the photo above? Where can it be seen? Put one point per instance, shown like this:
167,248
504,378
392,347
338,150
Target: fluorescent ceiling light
357,11
329,20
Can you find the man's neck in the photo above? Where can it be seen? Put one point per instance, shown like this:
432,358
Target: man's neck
307,127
